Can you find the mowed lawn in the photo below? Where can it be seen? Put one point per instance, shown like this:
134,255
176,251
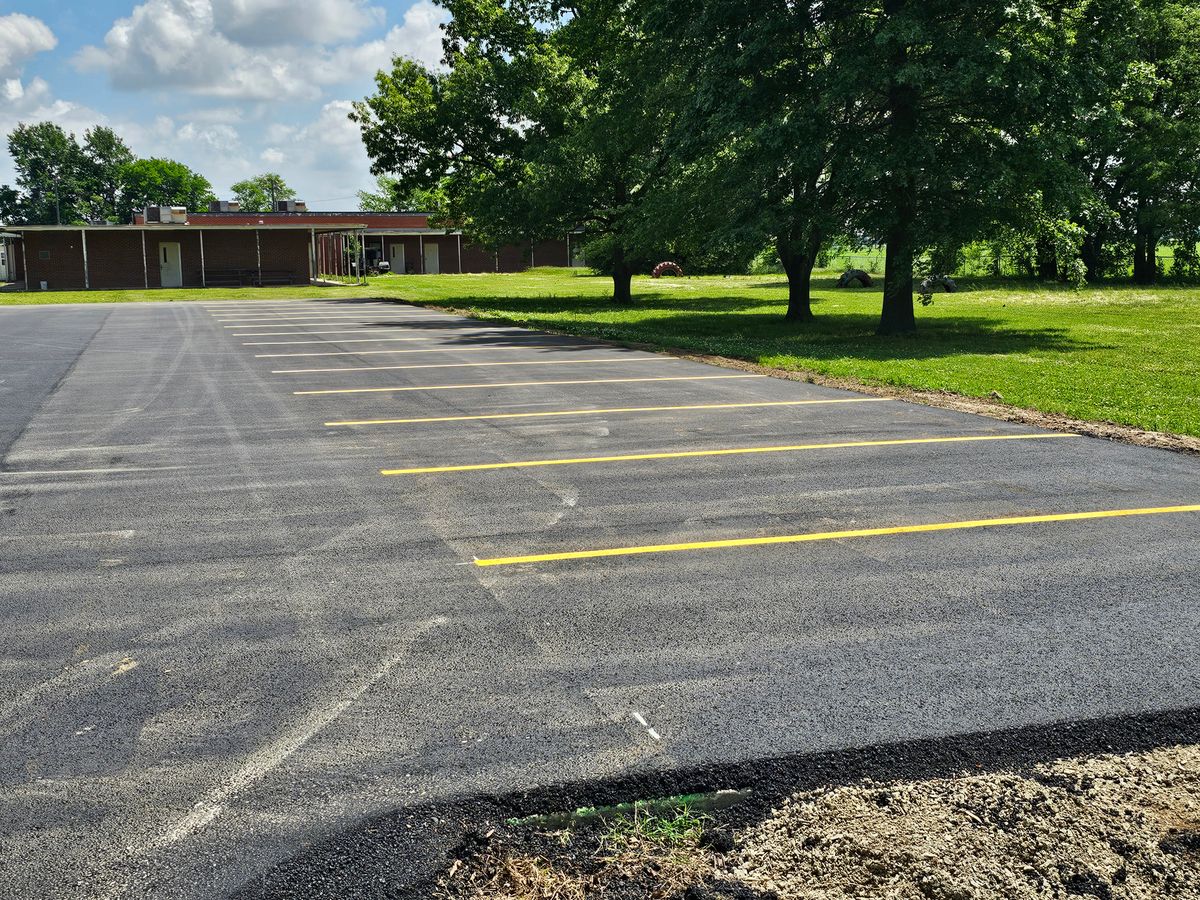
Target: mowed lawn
1115,353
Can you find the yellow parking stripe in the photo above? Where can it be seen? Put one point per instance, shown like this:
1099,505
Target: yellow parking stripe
351,341
737,451
348,320
474,365
836,535
306,333
596,412
510,384
438,350
272,321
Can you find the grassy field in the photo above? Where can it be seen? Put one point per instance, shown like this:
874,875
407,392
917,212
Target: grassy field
1115,353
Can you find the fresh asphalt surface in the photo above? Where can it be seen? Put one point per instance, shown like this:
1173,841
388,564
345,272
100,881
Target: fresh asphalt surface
227,635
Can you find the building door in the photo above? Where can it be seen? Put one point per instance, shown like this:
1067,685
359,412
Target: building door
396,257
169,265
431,258
4,273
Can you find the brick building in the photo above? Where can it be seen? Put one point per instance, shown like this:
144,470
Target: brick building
224,248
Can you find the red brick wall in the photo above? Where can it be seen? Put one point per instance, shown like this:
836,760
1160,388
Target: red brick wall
514,258
551,253
478,259
115,259
63,271
282,251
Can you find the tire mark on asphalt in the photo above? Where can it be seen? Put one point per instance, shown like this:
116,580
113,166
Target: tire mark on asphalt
262,762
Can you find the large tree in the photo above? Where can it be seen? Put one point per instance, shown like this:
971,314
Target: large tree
546,117
1136,148
389,197
758,147
105,154
49,166
947,95
154,182
260,193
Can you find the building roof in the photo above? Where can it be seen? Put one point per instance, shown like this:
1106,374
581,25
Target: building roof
195,225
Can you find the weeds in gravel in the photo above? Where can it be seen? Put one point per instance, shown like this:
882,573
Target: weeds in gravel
681,828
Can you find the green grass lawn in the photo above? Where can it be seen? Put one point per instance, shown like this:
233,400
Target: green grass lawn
1117,353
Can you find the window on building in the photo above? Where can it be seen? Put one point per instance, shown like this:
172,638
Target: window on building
43,254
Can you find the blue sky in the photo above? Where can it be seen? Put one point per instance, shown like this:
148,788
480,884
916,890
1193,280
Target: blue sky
230,87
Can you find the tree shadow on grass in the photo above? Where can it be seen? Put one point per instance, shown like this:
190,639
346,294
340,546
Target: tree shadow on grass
753,329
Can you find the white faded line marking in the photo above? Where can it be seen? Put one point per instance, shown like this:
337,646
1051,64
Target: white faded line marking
535,362
473,348
71,535
641,720
262,762
94,471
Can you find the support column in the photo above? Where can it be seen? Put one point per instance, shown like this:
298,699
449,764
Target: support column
421,251
203,277
145,264
459,236
25,263
87,281
258,251
312,257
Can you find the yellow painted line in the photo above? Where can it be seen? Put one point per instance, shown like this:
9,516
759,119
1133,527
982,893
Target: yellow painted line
282,333
248,321
475,365
737,451
838,535
495,347
347,320
510,384
351,341
597,412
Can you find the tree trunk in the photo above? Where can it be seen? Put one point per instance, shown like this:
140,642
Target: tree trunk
1145,263
622,276
1047,260
898,315
1090,252
798,264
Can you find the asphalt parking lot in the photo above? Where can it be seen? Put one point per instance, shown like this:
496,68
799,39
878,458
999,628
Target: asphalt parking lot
270,567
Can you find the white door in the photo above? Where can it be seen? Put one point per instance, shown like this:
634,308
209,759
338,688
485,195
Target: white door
169,265
3,262
396,258
431,259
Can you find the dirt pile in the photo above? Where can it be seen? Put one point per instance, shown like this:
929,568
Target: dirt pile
1116,827
1108,827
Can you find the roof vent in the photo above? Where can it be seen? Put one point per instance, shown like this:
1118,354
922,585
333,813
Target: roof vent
225,206
166,215
290,206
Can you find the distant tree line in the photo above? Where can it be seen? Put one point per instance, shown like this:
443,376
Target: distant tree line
1064,133
60,181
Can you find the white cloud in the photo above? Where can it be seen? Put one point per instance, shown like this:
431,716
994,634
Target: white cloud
418,37
272,156
175,43
33,101
24,36
186,44
266,23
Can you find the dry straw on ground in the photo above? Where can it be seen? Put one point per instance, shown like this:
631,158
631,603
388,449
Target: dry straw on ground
1125,827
